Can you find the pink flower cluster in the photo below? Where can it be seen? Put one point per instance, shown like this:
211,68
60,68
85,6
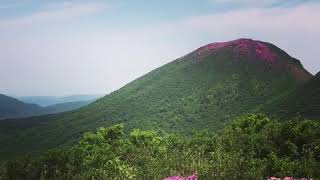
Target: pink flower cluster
193,177
288,178
241,47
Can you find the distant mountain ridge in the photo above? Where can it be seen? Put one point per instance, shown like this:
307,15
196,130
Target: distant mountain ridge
205,89
52,100
13,108
63,107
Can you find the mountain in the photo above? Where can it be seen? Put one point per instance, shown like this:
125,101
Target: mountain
52,100
303,100
13,108
204,89
80,97
63,107
41,100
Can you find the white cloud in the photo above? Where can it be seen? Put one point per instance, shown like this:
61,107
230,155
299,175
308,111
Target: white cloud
242,4
55,12
303,18
250,3
246,1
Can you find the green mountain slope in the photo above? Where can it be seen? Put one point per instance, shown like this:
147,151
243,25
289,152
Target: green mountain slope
303,101
13,108
202,90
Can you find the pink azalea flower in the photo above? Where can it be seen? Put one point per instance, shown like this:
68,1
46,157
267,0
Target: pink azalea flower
174,178
274,178
193,177
288,178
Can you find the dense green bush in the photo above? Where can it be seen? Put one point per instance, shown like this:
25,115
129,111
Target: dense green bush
252,147
255,147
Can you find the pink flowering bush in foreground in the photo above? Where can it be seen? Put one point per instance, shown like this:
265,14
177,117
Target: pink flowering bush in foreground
193,177
288,178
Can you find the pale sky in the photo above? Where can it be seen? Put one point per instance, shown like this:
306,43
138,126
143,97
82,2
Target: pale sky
94,47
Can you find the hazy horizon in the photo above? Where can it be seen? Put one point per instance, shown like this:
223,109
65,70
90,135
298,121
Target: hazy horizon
70,47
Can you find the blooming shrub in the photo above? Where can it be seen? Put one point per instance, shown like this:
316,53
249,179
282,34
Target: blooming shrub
193,177
288,178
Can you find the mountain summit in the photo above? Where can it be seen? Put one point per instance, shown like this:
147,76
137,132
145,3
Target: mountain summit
242,48
256,52
205,89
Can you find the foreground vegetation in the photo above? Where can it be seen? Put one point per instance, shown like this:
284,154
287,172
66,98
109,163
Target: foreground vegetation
252,147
